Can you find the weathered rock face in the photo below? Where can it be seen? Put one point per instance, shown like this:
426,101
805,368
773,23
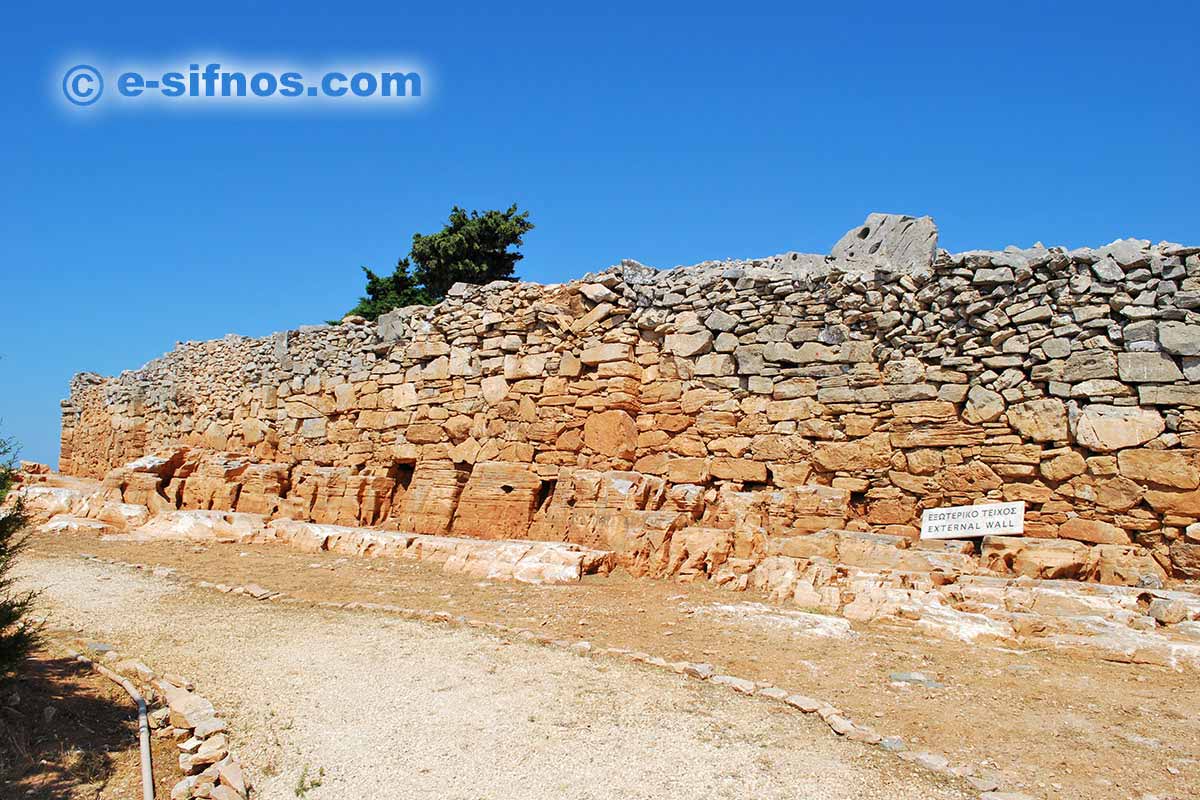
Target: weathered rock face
687,419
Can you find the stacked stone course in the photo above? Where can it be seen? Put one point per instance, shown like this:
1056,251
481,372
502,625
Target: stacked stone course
702,421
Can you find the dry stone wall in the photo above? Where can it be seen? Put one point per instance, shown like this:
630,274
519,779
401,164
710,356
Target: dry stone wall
699,420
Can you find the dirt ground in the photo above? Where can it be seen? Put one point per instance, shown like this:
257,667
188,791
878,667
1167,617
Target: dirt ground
67,733
329,704
1052,724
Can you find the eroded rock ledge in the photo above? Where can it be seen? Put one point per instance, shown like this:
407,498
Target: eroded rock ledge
702,420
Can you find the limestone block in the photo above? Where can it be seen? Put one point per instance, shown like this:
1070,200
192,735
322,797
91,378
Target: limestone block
1163,467
1107,428
698,552
872,452
1179,338
429,502
1036,558
688,345
519,367
1148,367
738,469
497,501
1124,565
1090,364
1063,467
602,353
611,433
983,405
1093,531
1039,420
892,241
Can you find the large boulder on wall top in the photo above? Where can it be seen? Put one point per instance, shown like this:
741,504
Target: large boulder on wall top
894,242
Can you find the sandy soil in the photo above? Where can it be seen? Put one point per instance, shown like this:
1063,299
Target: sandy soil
341,704
1052,724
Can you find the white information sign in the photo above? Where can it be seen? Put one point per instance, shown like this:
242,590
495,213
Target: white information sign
965,522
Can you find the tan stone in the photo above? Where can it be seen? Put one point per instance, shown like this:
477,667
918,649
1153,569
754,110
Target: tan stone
949,434
495,388
611,433
1040,420
872,452
1092,530
1035,558
1118,494
428,504
425,433
739,469
497,501
1063,467
1124,565
972,477
1184,504
1108,428
602,353
1162,467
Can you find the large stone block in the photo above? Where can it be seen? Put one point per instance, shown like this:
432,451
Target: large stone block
1093,531
1107,428
611,433
498,501
429,501
1179,338
1148,367
1163,467
1036,558
1039,420
872,452
891,241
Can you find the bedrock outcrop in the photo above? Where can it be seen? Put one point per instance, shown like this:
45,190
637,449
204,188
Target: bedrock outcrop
700,420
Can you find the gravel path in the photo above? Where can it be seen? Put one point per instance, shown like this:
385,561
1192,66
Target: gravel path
372,706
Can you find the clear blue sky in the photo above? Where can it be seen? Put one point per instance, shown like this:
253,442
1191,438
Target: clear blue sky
695,131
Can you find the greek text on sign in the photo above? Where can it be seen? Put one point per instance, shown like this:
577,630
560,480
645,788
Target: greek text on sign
964,522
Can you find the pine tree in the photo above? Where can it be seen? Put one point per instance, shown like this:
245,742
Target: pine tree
18,636
472,247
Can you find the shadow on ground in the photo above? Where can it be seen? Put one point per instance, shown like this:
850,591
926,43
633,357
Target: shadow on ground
63,730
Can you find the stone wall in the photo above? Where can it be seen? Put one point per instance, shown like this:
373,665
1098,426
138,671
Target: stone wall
698,420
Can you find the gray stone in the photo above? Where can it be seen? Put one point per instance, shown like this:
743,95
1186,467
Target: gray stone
904,370
739,685
983,405
716,364
1089,364
749,359
1108,270
1179,338
598,293
891,241
1129,253
1169,395
919,678
1035,314
719,320
993,277
1151,367
1167,612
